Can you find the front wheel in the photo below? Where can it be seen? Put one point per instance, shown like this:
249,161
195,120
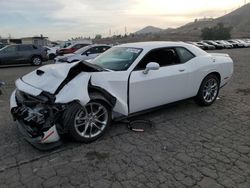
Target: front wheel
208,91
88,123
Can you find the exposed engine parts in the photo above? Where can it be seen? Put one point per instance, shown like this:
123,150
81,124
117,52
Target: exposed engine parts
36,115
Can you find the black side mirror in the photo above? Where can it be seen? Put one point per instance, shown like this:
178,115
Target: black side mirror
87,53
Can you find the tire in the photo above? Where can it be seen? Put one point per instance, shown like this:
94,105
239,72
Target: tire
208,90
36,60
52,56
87,123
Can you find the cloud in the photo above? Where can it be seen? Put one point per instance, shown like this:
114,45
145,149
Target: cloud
63,19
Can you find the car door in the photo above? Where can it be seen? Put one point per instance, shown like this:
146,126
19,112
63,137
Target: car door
9,55
24,52
159,87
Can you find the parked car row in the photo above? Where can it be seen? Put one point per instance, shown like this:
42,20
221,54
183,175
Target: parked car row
222,44
85,53
35,55
78,51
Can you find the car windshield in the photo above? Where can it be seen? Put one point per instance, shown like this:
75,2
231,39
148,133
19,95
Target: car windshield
118,58
81,50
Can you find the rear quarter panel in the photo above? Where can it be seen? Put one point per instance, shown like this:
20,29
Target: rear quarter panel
201,66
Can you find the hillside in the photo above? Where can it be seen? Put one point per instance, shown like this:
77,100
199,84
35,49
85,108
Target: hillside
239,20
149,29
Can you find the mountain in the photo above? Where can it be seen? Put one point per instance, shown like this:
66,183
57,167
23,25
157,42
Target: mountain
239,20
149,29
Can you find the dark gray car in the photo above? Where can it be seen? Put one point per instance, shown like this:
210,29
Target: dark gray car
22,54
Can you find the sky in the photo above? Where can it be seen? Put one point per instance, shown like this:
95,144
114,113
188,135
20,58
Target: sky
64,19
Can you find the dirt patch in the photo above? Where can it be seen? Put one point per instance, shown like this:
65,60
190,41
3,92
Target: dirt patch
244,91
96,155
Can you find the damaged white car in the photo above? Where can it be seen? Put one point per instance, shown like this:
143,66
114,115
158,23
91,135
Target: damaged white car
83,98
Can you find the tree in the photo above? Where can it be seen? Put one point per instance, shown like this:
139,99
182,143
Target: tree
218,32
98,36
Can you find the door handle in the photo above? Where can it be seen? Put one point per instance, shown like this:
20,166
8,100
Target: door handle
181,70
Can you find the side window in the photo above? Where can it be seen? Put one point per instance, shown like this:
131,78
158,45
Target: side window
91,51
102,49
10,49
24,48
184,54
77,46
164,57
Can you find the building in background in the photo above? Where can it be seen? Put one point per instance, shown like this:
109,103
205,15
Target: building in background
10,41
38,41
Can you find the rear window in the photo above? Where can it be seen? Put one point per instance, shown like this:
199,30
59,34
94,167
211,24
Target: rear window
184,54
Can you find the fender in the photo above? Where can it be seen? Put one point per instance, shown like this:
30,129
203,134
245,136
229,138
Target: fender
104,95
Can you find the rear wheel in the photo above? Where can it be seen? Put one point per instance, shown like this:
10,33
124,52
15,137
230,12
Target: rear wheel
208,91
36,60
88,123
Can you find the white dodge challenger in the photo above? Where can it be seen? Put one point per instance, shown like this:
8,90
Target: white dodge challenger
83,98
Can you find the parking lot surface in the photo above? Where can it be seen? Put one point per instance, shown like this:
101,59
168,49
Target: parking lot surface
188,145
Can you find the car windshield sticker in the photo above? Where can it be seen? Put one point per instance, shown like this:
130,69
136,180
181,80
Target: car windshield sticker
133,50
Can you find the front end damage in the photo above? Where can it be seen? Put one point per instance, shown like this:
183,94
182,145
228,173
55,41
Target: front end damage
38,118
43,96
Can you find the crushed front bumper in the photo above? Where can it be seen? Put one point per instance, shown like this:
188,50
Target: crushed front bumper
38,142
30,125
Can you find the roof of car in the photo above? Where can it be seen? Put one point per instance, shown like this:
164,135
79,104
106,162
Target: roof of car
161,44
153,44
93,45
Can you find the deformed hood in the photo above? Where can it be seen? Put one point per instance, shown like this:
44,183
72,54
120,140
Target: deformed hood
50,77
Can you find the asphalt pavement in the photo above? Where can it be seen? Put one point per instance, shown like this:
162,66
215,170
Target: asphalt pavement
188,145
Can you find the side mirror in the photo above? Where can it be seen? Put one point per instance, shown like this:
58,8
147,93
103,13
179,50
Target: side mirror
151,66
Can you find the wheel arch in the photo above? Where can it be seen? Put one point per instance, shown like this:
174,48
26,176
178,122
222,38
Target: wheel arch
98,93
217,74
